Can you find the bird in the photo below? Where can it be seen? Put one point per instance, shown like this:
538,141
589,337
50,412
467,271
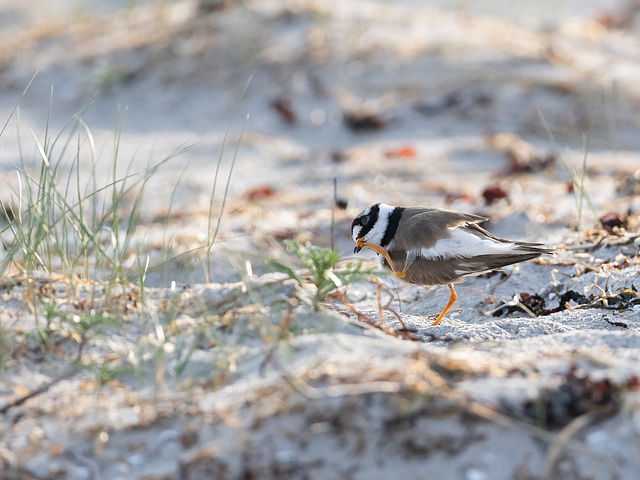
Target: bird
433,246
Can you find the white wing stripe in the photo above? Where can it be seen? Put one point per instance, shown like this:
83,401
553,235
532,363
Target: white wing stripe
463,244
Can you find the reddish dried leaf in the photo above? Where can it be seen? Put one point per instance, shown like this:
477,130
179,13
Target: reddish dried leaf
452,197
613,220
284,234
364,121
493,193
259,193
401,152
339,156
535,303
535,163
283,106
112,357
611,20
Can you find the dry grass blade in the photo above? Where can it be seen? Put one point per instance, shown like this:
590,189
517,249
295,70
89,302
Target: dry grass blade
563,440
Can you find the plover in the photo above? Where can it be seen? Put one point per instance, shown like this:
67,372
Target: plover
431,246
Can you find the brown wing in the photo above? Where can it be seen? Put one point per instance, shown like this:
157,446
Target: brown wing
422,227
451,270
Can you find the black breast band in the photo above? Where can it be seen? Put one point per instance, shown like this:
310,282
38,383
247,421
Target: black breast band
394,220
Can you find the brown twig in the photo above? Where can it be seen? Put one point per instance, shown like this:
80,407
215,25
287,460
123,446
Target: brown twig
284,326
42,389
381,287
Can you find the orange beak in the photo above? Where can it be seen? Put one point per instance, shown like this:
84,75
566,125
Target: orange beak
359,244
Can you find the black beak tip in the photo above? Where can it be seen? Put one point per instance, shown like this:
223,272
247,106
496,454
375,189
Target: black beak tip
357,249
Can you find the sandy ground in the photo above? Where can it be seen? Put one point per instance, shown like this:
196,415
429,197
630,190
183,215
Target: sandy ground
403,102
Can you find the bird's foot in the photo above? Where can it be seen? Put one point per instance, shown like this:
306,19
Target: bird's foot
383,251
452,299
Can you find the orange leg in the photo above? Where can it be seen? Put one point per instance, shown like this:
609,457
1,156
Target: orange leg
452,300
382,251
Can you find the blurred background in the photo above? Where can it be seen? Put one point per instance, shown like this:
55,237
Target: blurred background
149,142
526,112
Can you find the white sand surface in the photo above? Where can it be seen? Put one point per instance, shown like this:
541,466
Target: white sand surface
234,379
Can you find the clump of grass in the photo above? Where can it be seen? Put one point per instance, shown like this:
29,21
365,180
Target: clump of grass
83,233
212,232
578,177
80,327
61,226
82,226
321,277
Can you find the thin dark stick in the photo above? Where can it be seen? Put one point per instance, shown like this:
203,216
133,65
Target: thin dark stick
333,211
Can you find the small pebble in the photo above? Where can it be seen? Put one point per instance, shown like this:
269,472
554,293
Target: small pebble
475,474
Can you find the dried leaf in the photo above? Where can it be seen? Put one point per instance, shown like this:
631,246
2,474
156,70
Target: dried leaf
405,151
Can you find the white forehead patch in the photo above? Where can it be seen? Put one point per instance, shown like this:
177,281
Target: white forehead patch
356,232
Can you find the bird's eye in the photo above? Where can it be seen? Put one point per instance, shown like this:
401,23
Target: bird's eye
364,220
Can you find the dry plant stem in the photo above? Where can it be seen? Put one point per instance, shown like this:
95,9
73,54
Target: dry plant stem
361,316
401,275
286,321
358,314
19,401
557,441
333,213
528,311
562,439
284,326
568,443
332,391
387,306
379,296
501,281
